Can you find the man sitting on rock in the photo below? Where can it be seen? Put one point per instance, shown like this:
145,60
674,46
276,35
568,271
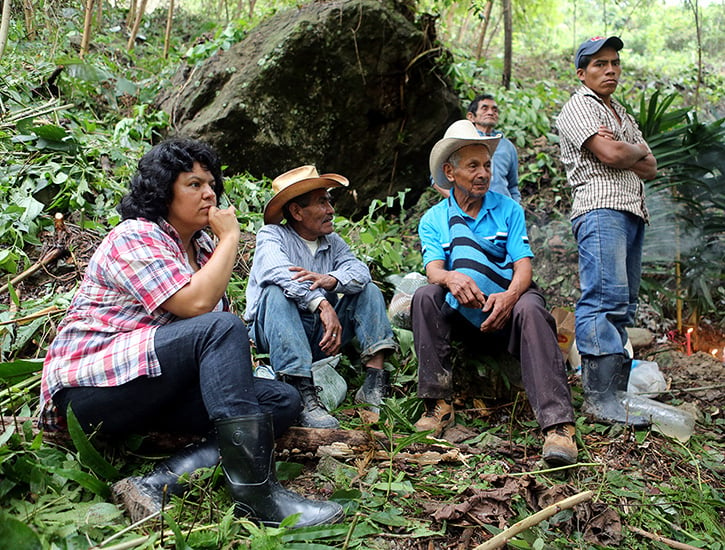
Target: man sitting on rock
478,263
308,295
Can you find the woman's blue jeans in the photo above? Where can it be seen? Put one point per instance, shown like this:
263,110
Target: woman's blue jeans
610,269
206,375
291,337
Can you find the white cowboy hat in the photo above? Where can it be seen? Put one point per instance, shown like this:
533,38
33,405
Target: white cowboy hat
294,183
459,134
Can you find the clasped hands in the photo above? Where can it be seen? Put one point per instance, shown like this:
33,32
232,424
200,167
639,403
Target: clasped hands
499,304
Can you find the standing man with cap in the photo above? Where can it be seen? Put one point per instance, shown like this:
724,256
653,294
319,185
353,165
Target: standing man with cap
308,295
483,112
606,160
478,263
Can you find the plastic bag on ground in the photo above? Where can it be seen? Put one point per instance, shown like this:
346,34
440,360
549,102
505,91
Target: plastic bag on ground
646,379
405,287
333,387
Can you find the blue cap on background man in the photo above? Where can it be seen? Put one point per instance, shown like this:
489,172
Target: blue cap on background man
593,45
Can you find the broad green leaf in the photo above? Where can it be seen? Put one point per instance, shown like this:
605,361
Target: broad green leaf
20,367
87,453
83,479
16,535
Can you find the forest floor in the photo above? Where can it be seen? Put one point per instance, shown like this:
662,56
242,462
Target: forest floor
498,443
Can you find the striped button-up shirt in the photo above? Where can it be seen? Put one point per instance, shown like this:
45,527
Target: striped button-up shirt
279,247
594,184
107,336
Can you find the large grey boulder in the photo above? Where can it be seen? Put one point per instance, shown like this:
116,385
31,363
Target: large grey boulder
353,87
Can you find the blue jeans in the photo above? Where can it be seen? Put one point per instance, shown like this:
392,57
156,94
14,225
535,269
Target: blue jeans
610,269
206,375
291,337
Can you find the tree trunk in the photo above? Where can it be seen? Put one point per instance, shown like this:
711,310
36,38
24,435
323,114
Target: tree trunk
486,19
131,15
136,25
29,14
698,33
507,41
4,26
99,15
87,28
167,35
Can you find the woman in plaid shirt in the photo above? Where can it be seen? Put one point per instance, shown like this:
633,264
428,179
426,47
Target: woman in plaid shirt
149,344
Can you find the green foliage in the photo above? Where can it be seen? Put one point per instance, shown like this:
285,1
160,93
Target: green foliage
687,199
378,240
76,156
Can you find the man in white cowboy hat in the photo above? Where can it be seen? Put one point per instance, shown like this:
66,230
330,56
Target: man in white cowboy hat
308,295
478,263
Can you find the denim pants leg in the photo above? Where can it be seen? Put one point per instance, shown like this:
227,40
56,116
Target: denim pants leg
279,330
205,376
610,260
364,316
291,337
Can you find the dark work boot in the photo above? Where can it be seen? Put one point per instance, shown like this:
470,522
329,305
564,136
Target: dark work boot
247,448
374,389
623,381
601,378
314,414
141,496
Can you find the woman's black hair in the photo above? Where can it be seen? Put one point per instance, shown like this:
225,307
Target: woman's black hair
152,188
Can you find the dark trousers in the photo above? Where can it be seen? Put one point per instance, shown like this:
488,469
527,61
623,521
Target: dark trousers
530,336
206,375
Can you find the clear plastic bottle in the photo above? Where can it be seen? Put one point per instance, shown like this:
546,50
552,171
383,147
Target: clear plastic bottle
666,419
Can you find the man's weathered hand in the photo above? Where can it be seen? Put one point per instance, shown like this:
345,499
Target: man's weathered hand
500,304
465,290
332,336
328,282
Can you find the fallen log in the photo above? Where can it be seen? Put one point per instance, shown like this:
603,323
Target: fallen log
295,440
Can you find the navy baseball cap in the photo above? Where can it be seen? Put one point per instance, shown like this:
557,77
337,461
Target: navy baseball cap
593,45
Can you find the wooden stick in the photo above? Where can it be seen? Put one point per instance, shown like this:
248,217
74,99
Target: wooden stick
664,540
23,320
507,534
54,254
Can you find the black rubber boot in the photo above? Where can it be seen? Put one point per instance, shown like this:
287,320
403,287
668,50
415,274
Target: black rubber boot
142,496
601,378
247,447
623,381
374,389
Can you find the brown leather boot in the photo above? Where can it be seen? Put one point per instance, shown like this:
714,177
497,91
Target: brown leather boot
559,445
437,417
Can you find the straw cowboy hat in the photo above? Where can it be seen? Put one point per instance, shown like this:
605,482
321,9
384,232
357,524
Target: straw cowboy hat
294,183
458,135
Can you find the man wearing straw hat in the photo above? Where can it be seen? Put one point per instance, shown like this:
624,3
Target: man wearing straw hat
478,263
308,295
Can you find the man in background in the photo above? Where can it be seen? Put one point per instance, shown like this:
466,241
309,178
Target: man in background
483,113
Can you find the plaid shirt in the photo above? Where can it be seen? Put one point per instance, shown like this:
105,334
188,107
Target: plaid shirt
595,185
107,336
